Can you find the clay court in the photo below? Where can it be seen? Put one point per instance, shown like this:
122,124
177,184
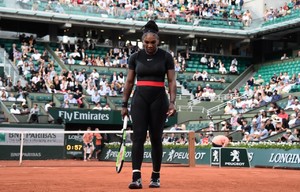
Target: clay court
75,175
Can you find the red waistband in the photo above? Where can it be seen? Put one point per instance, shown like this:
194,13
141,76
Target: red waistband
150,83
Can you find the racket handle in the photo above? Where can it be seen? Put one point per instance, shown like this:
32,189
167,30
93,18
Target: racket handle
125,122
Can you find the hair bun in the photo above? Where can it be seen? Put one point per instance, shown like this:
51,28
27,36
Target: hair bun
150,26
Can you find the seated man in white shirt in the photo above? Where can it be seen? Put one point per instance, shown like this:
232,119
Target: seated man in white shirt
36,55
222,69
233,69
97,107
197,76
75,54
71,61
102,91
234,62
203,60
71,99
95,97
15,110
106,107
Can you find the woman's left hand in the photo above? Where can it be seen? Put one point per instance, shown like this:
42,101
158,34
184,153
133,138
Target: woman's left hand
172,110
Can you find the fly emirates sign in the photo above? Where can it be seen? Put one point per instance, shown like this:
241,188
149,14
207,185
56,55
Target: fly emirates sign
83,116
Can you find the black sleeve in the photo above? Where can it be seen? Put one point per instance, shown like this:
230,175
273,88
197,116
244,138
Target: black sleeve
169,61
131,61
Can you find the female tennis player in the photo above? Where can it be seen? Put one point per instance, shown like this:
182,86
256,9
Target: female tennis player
150,105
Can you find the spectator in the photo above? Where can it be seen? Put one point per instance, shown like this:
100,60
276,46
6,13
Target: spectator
70,98
211,63
95,97
233,69
293,105
269,125
25,110
276,96
203,60
71,61
229,108
297,122
48,105
66,104
11,97
175,128
286,136
292,120
259,80
294,136
33,116
75,55
15,110
245,127
106,107
198,92
250,82
97,107
248,93
247,18
263,133
222,69
197,76
284,57
36,55
274,108
204,76
226,126
78,96
234,62
282,114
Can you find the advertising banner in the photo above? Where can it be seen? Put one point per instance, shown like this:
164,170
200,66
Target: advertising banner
170,155
274,157
31,152
32,139
234,157
231,156
94,117
37,146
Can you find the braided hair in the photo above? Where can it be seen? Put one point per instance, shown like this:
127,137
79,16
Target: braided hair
150,27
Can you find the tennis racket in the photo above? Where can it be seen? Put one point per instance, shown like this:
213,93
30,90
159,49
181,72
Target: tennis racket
122,149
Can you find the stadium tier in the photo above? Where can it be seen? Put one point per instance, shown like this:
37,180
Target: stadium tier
236,37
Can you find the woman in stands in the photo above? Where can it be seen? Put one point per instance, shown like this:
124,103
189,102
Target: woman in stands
150,105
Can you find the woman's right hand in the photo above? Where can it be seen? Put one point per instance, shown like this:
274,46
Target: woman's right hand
124,112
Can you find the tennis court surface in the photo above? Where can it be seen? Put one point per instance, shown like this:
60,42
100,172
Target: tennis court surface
95,176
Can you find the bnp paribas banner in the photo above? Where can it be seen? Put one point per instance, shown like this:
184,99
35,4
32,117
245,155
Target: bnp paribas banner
37,146
87,116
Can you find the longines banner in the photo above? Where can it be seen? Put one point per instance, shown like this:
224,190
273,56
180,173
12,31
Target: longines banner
86,116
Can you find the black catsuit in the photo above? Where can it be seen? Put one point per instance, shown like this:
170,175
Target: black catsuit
149,104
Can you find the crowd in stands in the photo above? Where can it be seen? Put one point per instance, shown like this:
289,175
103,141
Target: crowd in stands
167,11
286,9
43,77
260,124
212,64
76,54
258,93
